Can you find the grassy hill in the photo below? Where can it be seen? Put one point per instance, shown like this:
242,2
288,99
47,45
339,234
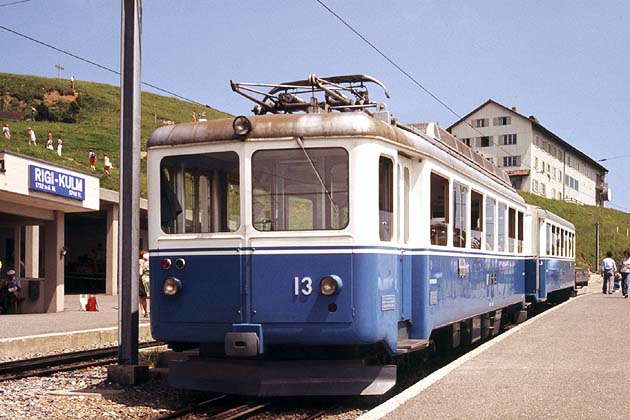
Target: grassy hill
614,228
86,118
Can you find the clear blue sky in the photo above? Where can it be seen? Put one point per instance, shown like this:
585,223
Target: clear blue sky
564,61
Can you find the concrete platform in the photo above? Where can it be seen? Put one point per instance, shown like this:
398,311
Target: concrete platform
571,362
70,329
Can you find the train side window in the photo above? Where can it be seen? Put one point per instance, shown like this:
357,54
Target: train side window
476,219
439,210
511,229
519,233
548,239
460,198
502,209
490,224
385,197
200,193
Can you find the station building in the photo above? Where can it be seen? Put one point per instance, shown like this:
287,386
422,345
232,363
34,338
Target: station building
58,230
536,159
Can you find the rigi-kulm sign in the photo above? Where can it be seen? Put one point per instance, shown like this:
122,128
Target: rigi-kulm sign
54,182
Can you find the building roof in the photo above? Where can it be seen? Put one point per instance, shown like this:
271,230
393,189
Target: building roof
537,125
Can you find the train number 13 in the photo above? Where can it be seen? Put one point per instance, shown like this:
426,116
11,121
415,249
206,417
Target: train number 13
302,286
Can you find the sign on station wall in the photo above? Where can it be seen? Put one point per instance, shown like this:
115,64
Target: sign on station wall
54,182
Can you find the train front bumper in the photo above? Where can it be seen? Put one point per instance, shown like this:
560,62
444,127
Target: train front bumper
267,378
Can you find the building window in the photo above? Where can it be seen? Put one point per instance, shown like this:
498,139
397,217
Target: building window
484,141
502,120
480,122
536,163
571,182
543,189
535,186
509,139
511,161
466,141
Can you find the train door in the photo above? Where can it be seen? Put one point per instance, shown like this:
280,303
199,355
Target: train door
404,228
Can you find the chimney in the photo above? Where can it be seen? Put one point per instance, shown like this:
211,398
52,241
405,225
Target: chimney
514,109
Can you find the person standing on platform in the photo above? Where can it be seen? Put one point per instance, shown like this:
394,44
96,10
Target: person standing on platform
9,293
608,270
143,287
624,269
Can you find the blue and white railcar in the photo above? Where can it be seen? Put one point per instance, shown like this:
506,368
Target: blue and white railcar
296,250
551,272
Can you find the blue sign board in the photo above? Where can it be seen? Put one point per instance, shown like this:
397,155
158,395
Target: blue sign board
54,182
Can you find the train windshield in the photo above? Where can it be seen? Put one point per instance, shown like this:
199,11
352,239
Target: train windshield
200,193
300,189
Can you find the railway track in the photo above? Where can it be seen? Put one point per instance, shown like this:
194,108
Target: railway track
48,365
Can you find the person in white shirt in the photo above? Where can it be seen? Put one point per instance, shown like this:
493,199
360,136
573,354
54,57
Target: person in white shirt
624,269
608,269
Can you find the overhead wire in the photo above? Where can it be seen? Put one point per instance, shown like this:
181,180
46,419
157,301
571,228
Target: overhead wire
417,83
14,2
102,67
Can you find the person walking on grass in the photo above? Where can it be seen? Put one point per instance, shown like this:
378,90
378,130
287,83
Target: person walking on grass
32,139
107,164
92,160
6,131
59,145
608,270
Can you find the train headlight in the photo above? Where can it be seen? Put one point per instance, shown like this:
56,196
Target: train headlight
330,285
180,263
242,126
166,263
171,286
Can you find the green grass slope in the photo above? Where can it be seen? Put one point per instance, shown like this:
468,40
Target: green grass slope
86,118
614,228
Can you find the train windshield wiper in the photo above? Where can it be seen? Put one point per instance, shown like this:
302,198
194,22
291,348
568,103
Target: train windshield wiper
319,177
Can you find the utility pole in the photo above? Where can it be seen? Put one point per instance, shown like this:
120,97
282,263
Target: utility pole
128,371
59,68
597,246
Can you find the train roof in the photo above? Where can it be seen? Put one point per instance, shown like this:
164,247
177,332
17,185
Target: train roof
546,214
323,125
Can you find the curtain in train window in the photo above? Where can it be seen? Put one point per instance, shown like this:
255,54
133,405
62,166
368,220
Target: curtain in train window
476,219
501,233
439,210
490,224
300,189
200,193
460,198
385,198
